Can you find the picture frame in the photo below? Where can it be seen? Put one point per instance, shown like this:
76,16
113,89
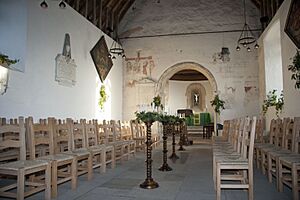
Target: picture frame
102,61
292,26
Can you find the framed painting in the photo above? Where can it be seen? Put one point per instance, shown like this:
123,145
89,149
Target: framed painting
292,26
102,62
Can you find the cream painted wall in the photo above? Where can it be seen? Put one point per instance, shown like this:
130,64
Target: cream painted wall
288,50
35,92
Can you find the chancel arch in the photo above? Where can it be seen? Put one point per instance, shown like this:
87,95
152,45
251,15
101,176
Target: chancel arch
162,88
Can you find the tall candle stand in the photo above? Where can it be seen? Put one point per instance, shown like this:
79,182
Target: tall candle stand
149,183
173,155
181,139
165,166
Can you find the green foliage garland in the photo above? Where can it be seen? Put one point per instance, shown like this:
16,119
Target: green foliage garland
295,69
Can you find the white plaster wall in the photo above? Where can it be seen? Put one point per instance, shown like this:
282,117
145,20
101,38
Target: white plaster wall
272,57
288,50
233,78
13,23
35,92
178,98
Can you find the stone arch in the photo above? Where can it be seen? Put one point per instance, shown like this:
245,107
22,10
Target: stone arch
162,84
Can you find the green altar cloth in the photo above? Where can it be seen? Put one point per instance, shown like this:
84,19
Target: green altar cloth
204,119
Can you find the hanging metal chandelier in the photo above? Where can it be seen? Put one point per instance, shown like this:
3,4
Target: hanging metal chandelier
116,49
246,38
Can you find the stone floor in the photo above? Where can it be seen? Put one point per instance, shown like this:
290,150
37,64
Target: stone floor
191,178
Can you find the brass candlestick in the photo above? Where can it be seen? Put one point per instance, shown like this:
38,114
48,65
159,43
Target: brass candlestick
165,166
149,183
173,155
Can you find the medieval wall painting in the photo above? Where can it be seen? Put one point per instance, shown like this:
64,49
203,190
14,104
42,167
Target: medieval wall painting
138,69
251,91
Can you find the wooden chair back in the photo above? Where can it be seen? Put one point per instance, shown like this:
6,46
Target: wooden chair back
296,135
91,134
134,128
259,130
62,135
117,130
102,139
18,143
40,136
126,130
108,131
288,136
226,128
77,130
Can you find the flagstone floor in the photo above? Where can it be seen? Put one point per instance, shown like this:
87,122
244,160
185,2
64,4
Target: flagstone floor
191,179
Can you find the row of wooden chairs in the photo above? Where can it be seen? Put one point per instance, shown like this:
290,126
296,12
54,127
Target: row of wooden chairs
279,156
39,156
233,156
139,132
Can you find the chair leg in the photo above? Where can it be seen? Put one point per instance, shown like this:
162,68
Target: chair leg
74,173
257,158
90,167
218,182
250,179
48,182
279,179
113,158
54,178
263,160
295,182
214,172
269,168
277,171
103,161
21,184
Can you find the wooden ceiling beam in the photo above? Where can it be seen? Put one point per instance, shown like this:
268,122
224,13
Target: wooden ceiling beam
124,9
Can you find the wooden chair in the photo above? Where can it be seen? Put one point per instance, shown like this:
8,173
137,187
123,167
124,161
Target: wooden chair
127,137
137,135
103,138
275,144
242,164
289,165
94,147
70,140
261,160
120,145
40,136
22,168
78,142
282,148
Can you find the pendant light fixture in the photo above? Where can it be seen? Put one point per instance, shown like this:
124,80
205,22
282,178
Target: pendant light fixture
246,38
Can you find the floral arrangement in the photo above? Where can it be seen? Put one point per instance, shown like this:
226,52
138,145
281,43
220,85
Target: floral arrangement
103,97
157,102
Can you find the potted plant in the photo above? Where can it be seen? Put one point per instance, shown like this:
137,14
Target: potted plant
217,104
147,117
295,69
273,100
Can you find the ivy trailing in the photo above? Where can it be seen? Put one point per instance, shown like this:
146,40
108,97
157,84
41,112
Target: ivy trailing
103,97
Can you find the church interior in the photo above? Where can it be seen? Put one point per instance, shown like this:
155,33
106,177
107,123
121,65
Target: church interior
200,97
